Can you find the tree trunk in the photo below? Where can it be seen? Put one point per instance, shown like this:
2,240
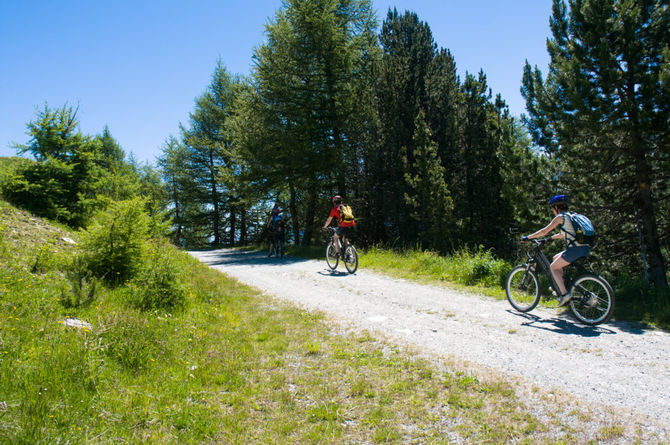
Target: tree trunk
243,227
294,214
645,204
233,221
216,218
309,217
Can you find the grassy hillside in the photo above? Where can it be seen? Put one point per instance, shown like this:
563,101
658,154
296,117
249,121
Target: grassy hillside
230,366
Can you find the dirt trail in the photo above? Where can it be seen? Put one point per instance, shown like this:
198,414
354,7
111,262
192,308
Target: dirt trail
617,364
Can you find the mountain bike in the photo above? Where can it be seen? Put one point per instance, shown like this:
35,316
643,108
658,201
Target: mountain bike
592,297
279,247
348,253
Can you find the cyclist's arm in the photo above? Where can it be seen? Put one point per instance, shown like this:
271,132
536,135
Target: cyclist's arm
327,223
557,221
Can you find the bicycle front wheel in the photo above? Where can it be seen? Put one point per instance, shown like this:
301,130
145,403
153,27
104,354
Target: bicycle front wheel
332,259
592,299
351,259
523,288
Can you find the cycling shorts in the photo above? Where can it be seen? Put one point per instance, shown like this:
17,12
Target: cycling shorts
575,252
347,231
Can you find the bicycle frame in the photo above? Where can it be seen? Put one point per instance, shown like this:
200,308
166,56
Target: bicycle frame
538,258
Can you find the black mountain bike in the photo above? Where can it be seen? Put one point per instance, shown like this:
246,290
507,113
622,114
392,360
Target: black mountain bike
348,253
278,249
592,299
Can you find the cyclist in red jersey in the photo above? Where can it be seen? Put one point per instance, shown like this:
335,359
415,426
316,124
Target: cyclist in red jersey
345,228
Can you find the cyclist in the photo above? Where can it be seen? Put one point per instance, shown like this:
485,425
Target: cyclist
345,227
574,250
276,226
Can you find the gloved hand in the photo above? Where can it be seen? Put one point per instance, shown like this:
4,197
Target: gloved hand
524,239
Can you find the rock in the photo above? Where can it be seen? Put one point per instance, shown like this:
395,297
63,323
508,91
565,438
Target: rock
78,324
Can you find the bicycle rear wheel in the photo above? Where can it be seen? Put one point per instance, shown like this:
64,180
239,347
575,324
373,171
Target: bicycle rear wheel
351,259
592,299
332,259
523,288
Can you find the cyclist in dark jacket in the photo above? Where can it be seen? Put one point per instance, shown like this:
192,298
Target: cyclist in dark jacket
276,226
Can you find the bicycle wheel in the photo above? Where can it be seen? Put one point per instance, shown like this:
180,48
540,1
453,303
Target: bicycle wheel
523,288
331,257
351,259
592,299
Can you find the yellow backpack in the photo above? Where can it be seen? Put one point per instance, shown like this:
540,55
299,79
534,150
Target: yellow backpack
346,214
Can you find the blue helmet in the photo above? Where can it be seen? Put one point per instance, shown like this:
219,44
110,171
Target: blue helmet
557,199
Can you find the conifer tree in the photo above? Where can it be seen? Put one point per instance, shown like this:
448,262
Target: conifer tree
408,50
603,113
302,119
209,142
426,193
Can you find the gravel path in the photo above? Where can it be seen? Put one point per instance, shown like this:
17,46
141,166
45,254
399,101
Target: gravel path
620,365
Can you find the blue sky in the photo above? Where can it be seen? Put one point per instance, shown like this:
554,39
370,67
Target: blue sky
137,66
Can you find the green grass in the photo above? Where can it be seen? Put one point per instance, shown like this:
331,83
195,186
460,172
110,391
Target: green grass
230,366
477,270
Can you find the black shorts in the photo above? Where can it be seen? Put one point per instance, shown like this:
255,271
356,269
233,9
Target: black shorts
277,236
347,231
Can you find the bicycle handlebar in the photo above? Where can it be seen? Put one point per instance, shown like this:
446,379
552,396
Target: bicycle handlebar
537,241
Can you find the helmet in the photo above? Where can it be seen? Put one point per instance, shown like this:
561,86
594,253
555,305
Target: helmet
557,199
275,210
336,198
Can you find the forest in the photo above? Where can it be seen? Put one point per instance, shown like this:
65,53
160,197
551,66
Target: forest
340,102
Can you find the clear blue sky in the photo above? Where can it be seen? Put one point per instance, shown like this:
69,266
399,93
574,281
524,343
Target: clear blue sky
137,65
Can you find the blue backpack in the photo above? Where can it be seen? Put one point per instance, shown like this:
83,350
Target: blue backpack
584,231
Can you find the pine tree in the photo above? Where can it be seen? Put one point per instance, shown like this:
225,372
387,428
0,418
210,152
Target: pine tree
408,50
209,142
301,123
426,193
603,112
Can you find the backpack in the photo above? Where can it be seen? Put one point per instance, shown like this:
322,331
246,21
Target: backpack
346,214
584,232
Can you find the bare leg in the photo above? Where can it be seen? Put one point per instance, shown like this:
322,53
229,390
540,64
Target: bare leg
337,243
557,272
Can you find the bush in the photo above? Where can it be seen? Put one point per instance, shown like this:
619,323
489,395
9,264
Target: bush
482,268
114,245
82,288
158,285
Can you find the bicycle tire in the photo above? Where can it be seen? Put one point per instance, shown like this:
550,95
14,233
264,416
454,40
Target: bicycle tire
332,259
281,249
351,259
523,288
592,300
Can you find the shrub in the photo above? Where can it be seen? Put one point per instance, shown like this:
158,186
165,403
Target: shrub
114,245
82,287
158,285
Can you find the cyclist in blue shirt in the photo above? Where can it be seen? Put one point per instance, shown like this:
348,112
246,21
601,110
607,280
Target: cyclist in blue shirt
574,250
